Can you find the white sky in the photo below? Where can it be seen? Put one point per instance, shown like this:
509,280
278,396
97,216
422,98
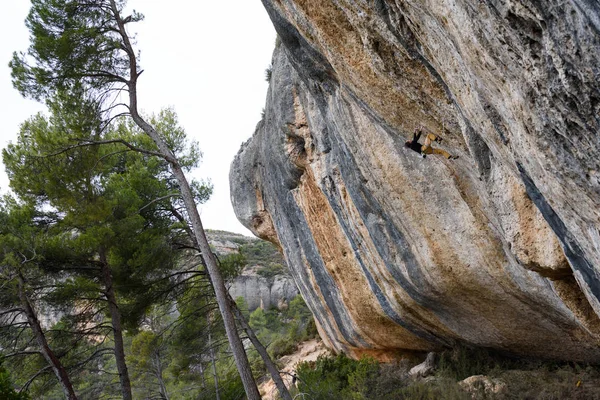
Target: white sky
206,59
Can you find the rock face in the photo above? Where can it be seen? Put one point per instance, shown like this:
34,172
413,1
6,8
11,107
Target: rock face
392,252
265,293
273,290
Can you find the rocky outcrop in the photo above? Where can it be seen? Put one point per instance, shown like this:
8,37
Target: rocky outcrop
392,252
258,283
265,293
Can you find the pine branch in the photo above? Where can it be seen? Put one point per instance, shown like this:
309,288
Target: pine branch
30,381
159,199
90,358
16,309
88,142
20,353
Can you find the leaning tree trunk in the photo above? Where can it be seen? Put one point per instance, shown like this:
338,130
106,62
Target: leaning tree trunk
162,388
239,354
202,377
57,367
213,361
237,348
262,351
116,326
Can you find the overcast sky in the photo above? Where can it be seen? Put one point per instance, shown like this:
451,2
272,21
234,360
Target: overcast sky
206,59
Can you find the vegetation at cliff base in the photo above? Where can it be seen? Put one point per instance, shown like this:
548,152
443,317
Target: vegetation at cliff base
460,374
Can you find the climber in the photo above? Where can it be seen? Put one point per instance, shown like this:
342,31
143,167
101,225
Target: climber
426,148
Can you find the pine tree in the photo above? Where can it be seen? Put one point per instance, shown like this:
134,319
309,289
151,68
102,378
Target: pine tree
22,233
115,230
83,50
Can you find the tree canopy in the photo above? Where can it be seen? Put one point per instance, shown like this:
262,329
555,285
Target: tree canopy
97,221
82,59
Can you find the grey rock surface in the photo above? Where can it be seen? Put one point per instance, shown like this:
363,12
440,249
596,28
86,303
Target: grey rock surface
392,252
258,291
262,292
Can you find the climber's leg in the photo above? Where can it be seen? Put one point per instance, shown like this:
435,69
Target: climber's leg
441,152
428,139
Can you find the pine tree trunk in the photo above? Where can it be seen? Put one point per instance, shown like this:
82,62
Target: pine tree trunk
239,354
116,326
237,348
211,351
262,351
202,377
159,376
40,337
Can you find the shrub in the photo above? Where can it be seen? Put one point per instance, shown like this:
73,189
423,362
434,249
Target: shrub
283,346
271,270
231,265
439,389
461,362
337,377
7,391
259,252
342,378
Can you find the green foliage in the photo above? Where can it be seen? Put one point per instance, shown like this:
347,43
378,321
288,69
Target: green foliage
282,331
143,347
73,44
23,233
551,382
336,377
461,362
261,252
265,255
443,389
115,199
341,377
272,270
258,320
148,358
298,309
523,378
7,391
231,265
79,199
113,207
242,304
230,387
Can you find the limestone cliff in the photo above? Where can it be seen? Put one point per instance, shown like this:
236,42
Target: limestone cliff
392,252
264,282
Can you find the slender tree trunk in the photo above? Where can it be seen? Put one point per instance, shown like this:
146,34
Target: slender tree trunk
262,351
211,351
237,348
116,326
40,337
159,376
202,377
